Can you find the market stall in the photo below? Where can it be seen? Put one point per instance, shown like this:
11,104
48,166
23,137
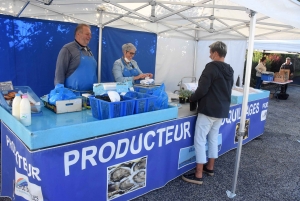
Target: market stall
181,37
119,158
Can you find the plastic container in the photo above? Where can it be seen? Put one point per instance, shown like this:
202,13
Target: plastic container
102,109
16,106
267,77
143,102
145,89
35,109
86,100
25,111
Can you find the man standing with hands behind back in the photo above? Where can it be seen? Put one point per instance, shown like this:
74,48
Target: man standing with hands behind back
76,66
213,95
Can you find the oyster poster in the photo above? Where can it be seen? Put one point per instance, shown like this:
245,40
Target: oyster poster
119,166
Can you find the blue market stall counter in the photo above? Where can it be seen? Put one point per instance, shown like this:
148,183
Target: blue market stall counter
119,159
52,129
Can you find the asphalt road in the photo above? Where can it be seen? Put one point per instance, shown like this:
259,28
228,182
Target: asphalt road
269,168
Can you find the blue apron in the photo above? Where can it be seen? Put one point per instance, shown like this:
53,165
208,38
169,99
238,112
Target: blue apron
130,73
83,78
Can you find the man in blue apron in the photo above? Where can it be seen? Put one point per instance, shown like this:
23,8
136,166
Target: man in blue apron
76,66
126,69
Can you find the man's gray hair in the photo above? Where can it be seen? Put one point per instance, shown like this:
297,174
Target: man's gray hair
79,28
128,47
219,47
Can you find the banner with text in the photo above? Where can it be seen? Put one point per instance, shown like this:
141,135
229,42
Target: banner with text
120,166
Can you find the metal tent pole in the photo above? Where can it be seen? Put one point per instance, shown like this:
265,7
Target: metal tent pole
245,102
22,9
195,53
100,10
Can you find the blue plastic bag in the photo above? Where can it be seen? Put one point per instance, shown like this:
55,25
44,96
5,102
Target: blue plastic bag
162,98
60,93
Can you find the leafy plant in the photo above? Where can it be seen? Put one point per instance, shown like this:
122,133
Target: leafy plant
185,93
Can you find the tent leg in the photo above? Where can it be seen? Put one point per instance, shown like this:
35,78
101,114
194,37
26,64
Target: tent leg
236,167
245,102
100,43
195,52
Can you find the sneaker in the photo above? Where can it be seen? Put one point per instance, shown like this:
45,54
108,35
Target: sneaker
192,179
207,171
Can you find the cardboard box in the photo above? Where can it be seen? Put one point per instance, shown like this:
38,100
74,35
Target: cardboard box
285,71
65,106
281,76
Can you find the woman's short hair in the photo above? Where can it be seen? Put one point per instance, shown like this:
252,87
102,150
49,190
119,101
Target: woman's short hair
219,47
128,47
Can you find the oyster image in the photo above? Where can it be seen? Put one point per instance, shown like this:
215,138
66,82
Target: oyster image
139,177
126,184
246,130
113,187
126,177
119,173
140,165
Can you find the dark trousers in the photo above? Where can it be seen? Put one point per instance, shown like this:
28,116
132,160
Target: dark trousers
283,88
258,82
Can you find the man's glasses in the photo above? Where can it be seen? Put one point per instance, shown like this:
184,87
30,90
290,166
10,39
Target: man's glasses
131,53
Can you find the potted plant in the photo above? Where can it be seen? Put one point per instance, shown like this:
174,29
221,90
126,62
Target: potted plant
184,95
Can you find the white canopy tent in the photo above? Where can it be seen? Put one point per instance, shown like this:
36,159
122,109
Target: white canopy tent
185,29
278,46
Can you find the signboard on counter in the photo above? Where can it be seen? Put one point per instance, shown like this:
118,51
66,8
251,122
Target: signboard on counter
6,86
119,166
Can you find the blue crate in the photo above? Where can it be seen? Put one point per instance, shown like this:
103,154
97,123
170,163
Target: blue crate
267,77
95,107
145,89
143,102
106,110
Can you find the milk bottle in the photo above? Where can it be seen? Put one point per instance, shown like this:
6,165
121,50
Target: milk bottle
25,111
16,106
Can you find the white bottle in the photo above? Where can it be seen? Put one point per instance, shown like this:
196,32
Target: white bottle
16,106
25,111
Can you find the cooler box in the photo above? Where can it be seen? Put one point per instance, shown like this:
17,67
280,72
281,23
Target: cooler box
267,76
254,94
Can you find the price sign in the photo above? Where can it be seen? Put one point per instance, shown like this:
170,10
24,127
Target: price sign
98,89
129,82
6,86
122,87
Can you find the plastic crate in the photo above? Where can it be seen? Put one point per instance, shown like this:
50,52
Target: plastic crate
35,109
267,77
143,102
105,110
146,89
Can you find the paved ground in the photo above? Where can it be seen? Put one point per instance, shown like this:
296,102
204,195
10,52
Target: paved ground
269,169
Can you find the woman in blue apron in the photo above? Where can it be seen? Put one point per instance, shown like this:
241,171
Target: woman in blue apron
126,69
